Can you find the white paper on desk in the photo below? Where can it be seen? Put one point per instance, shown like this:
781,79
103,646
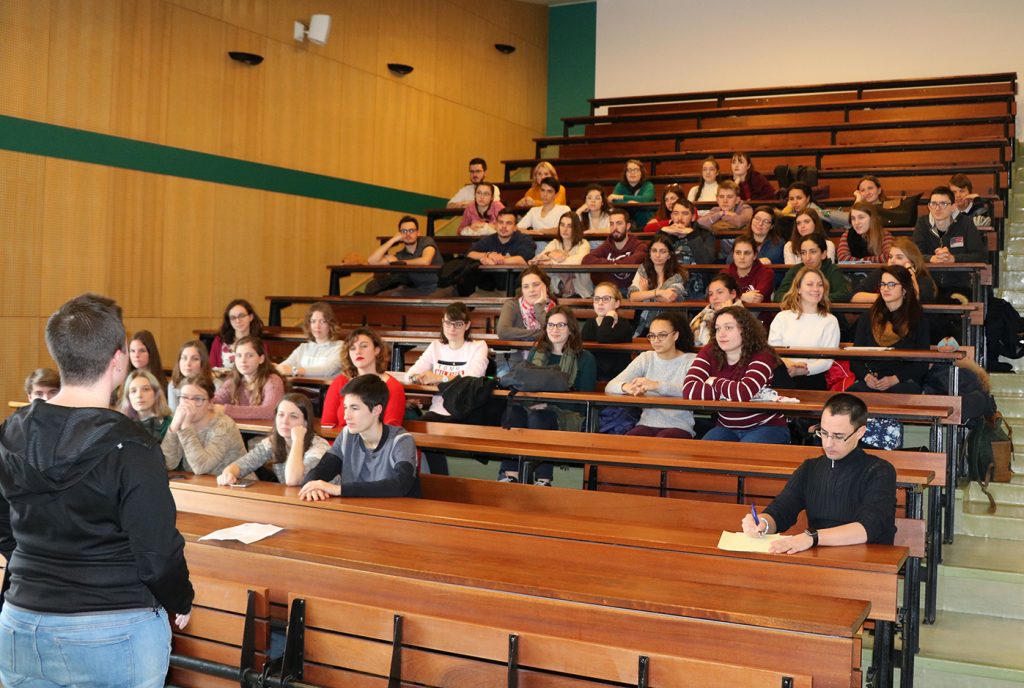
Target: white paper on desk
247,533
741,542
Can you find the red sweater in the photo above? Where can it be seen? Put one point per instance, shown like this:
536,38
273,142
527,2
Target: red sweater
732,383
760,277
394,412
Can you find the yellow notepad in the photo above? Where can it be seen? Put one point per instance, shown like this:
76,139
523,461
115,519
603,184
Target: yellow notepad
741,542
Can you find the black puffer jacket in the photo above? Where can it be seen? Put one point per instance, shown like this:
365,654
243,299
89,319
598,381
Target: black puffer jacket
91,513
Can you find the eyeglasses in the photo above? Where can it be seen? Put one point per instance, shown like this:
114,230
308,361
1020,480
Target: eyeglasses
456,324
408,231
239,316
603,299
660,336
198,401
825,435
938,204
761,221
888,285
557,325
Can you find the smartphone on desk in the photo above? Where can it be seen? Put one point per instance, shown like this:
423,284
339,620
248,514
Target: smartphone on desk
242,483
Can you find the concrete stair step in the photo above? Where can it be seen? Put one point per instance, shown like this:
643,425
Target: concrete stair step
1007,523
1011,405
982,576
1006,384
1009,494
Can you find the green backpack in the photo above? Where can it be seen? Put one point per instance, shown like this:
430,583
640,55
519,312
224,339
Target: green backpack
978,449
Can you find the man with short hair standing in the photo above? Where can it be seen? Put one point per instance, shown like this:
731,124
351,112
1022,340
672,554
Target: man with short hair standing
849,495
99,563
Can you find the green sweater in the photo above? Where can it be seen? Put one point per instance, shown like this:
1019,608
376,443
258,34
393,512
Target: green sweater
839,289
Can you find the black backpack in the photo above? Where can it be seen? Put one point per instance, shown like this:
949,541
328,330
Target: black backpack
1004,330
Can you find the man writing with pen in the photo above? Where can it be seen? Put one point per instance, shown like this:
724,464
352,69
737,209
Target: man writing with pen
849,495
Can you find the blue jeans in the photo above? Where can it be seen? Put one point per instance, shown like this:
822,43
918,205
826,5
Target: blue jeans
129,649
762,434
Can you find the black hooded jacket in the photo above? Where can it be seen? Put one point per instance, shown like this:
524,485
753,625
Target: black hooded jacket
91,514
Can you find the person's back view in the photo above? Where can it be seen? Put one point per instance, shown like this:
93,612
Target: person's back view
98,559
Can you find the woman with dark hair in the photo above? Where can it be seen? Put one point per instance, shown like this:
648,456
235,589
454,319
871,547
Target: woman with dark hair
812,255
804,321
768,243
897,321
735,366
672,194
143,354
594,211
568,248
291,450
660,372
634,187
363,353
867,241
559,345
240,320
544,217
480,216
523,317
659,277
752,184
254,387
906,253
753,279
320,356
723,291
706,191
807,222
193,359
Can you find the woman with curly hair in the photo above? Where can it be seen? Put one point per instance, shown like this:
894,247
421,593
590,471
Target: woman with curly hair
363,353
735,366
895,320
320,355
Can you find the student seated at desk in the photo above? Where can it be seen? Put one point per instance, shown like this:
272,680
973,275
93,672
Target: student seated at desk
895,320
947,237
594,211
799,197
569,248
848,495
804,322
372,458
736,366
663,216
560,345
807,223
768,243
193,359
608,328
544,217
906,253
621,248
200,439
969,203
523,317
240,320
812,255
42,383
363,353
477,173
143,354
660,372
866,241
479,217
414,250
706,191
753,278
145,404
634,187
543,170
730,213
291,450
253,388
320,355
691,243
507,246
723,291
752,184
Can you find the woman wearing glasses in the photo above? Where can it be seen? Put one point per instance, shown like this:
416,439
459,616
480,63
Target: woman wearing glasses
240,320
897,321
559,345
607,327
660,372
633,188
736,366
765,236
200,440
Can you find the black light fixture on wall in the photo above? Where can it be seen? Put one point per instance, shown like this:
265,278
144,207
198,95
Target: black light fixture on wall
251,59
399,69
504,48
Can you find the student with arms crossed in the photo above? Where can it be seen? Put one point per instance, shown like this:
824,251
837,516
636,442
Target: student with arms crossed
849,495
660,372
372,458
507,246
415,250
98,564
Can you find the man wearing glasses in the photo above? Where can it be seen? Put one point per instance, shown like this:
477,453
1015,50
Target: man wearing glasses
415,250
945,238
849,496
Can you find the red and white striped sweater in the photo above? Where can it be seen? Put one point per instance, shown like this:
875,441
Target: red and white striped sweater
732,383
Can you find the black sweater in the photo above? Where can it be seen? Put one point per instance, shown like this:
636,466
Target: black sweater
859,488
609,363
918,337
91,513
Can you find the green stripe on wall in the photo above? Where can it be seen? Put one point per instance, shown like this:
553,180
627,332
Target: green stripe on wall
572,53
51,140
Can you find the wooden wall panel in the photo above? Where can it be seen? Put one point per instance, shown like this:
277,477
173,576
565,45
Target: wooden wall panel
23,349
357,124
141,61
251,15
408,35
81,63
136,276
75,232
243,114
24,57
22,184
195,74
196,253
405,120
